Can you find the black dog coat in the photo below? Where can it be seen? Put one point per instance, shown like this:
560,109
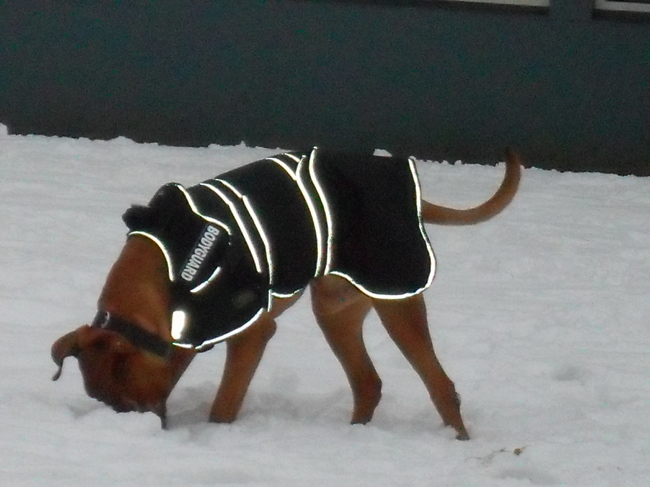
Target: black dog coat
266,229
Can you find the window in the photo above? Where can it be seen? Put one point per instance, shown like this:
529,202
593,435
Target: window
624,5
522,3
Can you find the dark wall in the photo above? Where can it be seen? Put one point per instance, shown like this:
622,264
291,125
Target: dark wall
570,91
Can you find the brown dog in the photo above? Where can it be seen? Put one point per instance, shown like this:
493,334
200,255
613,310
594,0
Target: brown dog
131,356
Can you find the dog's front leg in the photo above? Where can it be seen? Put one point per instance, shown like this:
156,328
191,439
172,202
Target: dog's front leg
406,323
244,352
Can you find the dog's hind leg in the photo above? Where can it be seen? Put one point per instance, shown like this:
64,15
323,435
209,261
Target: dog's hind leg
406,323
340,310
244,353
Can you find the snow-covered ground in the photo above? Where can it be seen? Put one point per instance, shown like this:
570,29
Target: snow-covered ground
541,317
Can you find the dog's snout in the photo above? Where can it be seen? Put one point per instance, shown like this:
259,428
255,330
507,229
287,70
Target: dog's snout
118,404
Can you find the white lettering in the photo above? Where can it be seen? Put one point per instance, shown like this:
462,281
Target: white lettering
200,252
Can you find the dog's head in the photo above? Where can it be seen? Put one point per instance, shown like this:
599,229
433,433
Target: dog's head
118,373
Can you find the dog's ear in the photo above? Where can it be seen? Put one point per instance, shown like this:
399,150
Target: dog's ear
66,346
137,216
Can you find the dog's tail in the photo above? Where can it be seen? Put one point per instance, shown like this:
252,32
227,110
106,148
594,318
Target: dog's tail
442,215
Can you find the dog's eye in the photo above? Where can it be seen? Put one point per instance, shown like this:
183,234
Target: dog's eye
99,345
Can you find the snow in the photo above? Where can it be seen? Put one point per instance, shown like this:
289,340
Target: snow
540,316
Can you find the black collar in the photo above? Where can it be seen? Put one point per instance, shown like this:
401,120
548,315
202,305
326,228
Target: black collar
133,333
